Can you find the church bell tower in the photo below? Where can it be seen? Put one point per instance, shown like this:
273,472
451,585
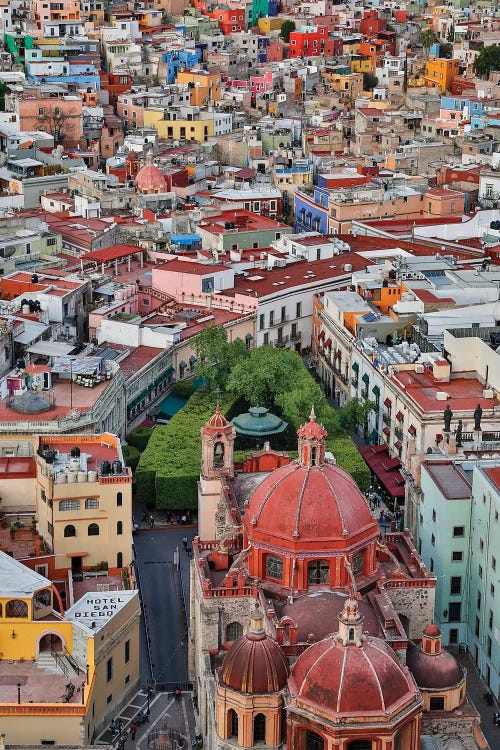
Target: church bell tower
217,446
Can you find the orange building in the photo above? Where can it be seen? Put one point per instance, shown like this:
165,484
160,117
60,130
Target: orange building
205,87
440,73
442,201
60,116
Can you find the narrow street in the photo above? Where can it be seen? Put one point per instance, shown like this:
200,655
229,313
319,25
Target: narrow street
165,624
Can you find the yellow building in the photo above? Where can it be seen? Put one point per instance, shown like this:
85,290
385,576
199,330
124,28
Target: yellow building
441,72
205,87
269,24
63,675
193,127
84,501
361,64
348,86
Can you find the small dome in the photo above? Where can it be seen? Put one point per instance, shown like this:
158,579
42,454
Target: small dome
149,179
432,630
217,422
433,671
312,430
255,663
29,402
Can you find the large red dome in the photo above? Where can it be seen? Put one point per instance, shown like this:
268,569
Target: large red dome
255,664
309,505
351,679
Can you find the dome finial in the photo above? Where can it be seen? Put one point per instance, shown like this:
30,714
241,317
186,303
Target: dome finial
312,415
149,158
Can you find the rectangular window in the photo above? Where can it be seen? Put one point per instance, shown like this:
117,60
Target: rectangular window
437,704
127,651
490,619
477,628
50,529
455,585
493,563
271,318
298,312
433,514
433,540
481,545
453,635
480,571
266,339
109,669
457,556
432,565
458,531
478,600
283,314
488,647
492,589
69,505
261,322
454,610
91,502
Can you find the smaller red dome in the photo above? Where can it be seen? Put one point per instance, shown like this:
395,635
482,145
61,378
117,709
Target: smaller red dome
312,430
432,630
255,663
433,671
217,423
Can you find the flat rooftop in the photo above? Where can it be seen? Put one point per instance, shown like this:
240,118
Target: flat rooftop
464,393
37,685
450,479
95,608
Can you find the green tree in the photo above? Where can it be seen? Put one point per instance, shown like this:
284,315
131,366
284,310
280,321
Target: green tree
216,356
451,34
3,90
369,81
263,374
354,413
487,61
286,28
427,38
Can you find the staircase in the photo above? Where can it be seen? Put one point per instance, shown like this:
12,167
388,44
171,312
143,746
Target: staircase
56,664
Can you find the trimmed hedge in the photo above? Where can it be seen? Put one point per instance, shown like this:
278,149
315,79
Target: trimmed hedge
169,469
139,437
131,456
183,389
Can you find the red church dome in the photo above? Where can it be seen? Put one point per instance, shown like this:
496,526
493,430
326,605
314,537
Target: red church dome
217,421
432,667
149,179
348,673
255,663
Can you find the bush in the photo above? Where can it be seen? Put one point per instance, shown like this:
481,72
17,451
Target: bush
169,469
139,437
183,389
131,456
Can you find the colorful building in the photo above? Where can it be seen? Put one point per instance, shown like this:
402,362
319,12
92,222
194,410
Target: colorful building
440,73
308,42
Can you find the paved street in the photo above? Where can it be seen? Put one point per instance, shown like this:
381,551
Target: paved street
161,596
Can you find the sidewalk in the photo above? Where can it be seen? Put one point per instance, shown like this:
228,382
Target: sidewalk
476,689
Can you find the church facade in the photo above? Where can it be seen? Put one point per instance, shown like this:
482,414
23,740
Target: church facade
305,622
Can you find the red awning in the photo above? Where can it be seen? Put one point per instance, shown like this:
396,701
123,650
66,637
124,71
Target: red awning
398,445
387,402
412,430
338,354
76,554
391,463
328,342
392,480
386,430
321,335
399,416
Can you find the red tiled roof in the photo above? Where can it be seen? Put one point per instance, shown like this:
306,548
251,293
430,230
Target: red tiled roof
198,269
109,254
451,480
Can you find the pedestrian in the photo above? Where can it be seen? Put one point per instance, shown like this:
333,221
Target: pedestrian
178,695
120,726
143,517
133,730
112,726
185,541
151,520
184,520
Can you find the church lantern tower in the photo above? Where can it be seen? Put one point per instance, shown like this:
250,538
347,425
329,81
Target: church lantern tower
217,447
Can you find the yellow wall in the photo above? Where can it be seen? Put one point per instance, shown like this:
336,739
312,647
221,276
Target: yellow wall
362,65
25,729
441,72
269,24
193,130
28,633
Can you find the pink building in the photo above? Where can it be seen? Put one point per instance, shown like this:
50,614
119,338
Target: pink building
442,201
59,116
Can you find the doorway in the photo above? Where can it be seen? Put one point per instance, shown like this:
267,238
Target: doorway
51,642
76,568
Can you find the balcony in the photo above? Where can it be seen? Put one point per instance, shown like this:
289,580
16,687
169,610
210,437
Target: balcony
398,433
355,382
281,343
297,336
279,322
386,419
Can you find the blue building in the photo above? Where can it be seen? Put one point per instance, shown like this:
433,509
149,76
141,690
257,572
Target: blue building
311,211
175,61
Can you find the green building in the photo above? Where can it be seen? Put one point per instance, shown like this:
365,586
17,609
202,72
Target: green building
17,44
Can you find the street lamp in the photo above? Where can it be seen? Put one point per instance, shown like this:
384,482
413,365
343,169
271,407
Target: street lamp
19,693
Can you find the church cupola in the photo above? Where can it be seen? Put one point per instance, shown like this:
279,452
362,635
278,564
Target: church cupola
312,438
217,439
351,622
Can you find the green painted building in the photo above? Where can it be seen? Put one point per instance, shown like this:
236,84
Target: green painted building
17,44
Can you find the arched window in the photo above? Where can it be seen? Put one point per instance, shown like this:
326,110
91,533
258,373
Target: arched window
119,499
360,745
313,457
314,741
351,634
232,723
69,530
274,567
119,560
119,528
218,454
93,529
16,608
233,632
318,571
259,729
